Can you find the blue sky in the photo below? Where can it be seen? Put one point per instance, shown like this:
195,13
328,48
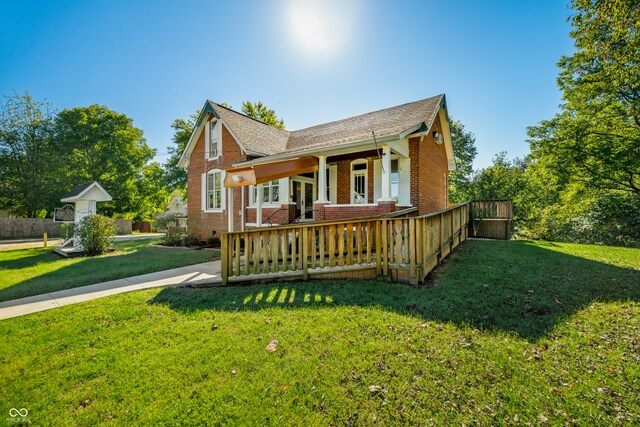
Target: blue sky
312,61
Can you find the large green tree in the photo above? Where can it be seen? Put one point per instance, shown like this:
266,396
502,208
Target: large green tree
464,149
595,139
176,177
26,155
259,111
102,145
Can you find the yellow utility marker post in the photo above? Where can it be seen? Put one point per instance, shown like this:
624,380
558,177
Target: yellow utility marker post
45,240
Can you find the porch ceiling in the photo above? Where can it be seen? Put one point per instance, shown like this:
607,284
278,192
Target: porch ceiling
264,172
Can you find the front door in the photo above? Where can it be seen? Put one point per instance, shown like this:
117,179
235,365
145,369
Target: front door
302,195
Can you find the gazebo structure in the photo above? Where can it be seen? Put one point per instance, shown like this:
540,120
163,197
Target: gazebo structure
85,197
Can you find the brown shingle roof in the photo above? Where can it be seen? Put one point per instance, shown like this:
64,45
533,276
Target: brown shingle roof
262,138
255,135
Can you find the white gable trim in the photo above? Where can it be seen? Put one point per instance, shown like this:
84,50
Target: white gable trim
107,196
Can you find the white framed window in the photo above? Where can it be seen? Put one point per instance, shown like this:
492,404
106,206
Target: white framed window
213,197
359,184
213,140
270,193
395,180
332,188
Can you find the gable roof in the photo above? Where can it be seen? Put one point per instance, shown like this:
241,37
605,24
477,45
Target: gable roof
81,189
260,139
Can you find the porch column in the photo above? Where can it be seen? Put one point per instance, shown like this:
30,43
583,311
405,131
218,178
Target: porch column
259,207
386,174
322,179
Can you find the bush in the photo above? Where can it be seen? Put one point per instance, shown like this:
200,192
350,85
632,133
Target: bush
191,241
173,238
95,233
213,241
166,221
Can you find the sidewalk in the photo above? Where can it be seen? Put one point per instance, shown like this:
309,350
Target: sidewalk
177,276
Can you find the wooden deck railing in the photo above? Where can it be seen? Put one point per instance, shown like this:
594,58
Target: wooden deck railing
401,249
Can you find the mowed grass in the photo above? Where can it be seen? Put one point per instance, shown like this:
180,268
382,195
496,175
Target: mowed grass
508,333
34,271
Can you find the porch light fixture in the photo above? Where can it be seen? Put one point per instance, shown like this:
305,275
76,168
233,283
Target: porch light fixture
237,178
437,136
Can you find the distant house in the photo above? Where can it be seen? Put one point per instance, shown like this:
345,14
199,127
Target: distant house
245,173
178,207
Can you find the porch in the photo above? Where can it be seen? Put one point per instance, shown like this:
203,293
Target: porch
364,181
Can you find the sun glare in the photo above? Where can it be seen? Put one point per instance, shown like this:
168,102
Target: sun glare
321,27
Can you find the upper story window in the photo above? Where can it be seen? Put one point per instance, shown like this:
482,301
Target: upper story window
270,193
213,136
359,181
214,190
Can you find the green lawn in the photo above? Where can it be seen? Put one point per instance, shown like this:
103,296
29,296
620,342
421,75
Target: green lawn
507,333
26,272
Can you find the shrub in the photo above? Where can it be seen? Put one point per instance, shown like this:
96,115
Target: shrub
173,238
166,221
191,241
95,233
213,240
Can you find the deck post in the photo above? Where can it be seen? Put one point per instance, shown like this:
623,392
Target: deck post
305,252
225,258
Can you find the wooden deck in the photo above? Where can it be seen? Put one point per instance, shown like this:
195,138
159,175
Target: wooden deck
398,249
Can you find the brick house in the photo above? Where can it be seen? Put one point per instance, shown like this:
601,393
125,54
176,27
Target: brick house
245,173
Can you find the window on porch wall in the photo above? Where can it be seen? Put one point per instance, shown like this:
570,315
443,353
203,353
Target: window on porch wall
359,182
395,180
270,193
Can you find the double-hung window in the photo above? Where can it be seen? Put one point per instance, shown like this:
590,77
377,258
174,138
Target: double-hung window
270,193
213,144
395,180
359,182
214,190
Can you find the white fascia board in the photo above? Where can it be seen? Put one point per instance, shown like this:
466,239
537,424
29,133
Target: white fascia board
107,196
333,150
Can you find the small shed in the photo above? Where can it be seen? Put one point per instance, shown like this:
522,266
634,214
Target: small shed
85,197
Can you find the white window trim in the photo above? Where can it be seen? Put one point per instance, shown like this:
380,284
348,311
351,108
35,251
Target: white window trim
252,201
366,180
207,139
332,182
205,198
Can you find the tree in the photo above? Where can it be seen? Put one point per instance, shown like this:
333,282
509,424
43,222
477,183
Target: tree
260,112
460,185
102,145
25,155
595,139
176,177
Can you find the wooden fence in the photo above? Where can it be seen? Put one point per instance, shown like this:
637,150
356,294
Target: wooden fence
491,219
35,227
399,249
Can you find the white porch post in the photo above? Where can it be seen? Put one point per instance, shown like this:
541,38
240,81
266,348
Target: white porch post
322,179
259,207
230,209
386,174
242,209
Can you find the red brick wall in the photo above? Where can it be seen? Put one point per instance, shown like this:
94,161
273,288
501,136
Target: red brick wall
281,215
200,223
333,212
429,167
343,179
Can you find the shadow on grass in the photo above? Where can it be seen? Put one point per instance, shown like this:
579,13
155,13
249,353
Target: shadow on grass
514,286
131,258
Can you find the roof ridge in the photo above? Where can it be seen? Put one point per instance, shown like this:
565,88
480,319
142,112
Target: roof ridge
367,113
248,117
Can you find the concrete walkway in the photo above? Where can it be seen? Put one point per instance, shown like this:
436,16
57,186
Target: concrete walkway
192,274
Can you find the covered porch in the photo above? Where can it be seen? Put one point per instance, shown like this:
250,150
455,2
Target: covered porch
369,179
